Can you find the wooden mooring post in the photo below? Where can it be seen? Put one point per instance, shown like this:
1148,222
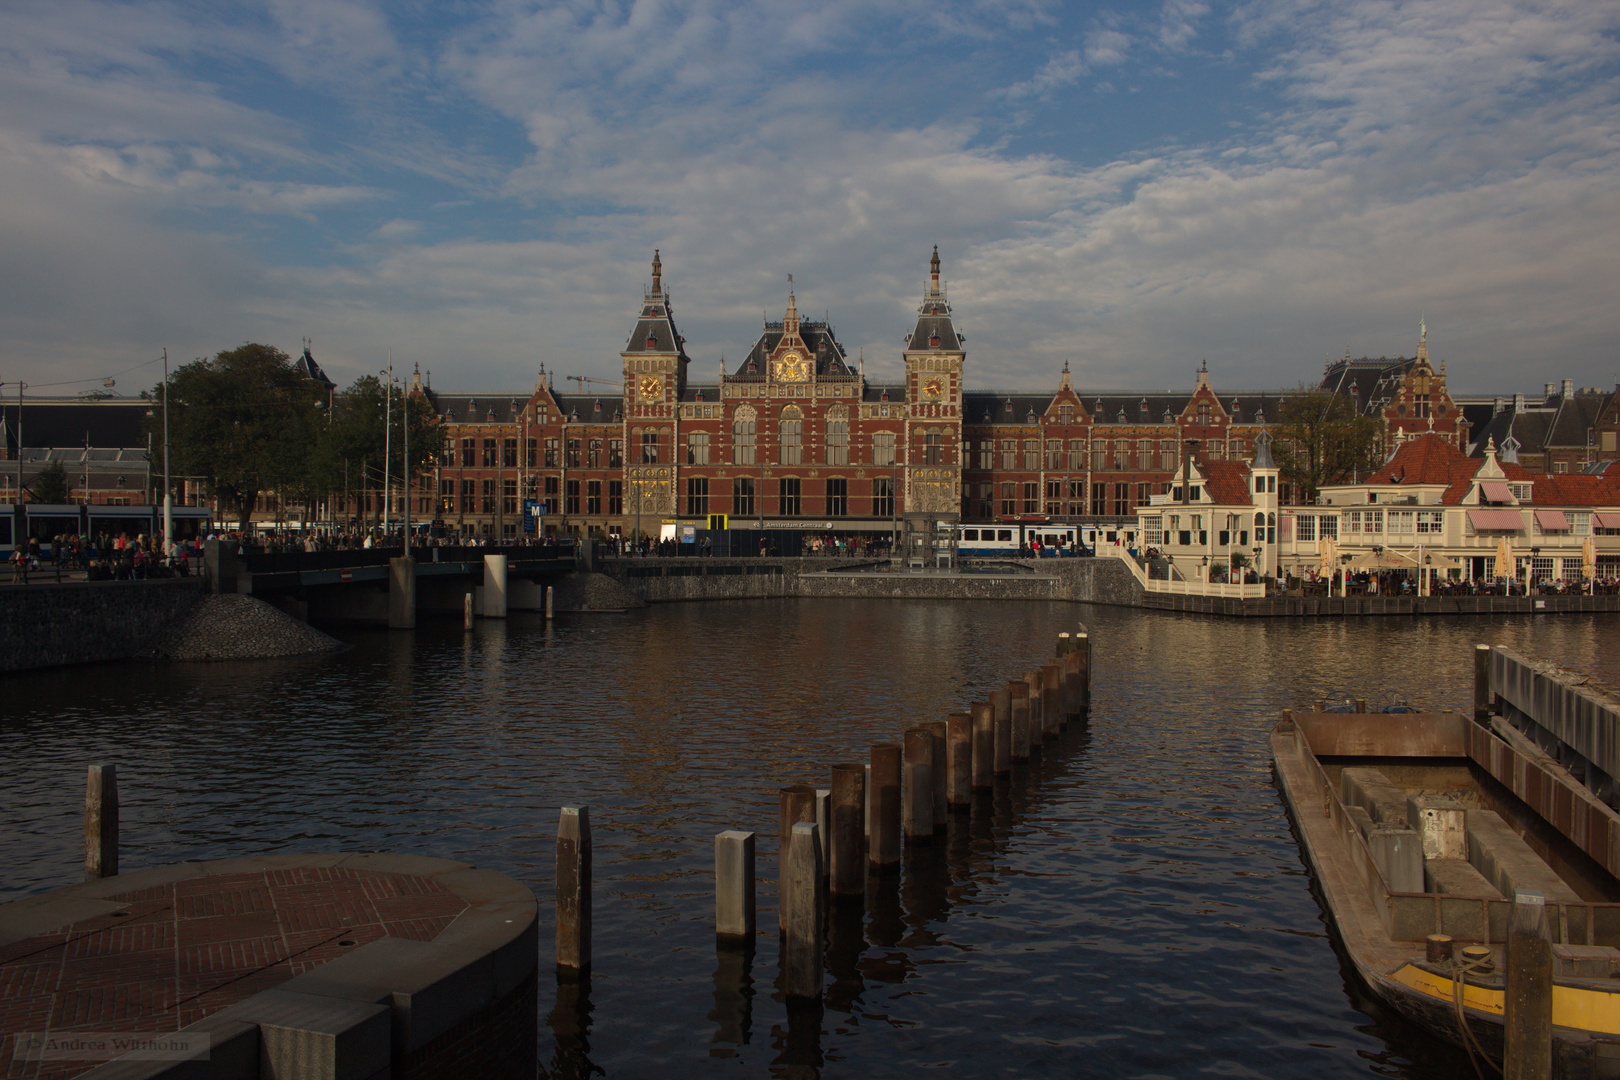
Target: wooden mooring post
467,609
1018,712
734,887
1052,711
101,823
550,601
1482,683
847,814
1001,705
1527,1038
574,891
984,747
940,775
800,913
958,760
917,786
884,845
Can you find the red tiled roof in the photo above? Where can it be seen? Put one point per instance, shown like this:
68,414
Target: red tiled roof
1228,482
1426,459
1576,490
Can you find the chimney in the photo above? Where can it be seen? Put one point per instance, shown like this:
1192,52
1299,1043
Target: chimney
1498,408
1569,387
1518,403
1550,389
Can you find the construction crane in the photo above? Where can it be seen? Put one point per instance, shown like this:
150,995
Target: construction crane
581,380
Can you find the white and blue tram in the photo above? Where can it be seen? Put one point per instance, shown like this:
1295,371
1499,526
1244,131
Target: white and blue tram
1009,538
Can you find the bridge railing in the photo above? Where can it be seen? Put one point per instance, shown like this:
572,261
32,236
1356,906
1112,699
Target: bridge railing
290,562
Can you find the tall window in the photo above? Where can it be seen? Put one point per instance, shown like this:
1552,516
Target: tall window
593,454
1077,455
1167,455
1099,499
787,496
615,497
649,447
1203,414
1077,496
697,496
742,436
1032,454
883,448
615,453
697,448
882,497
447,496
573,453
1065,414
1144,454
1305,528
1122,500
571,502
487,501
593,496
1054,454
489,453
1009,454
837,497
1122,454
469,496
530,455
469,453
838,435
1032,498
1009,499
509,494
933,449
1099,456
742,496
1054,498
551,453
987,453
791,437
509,453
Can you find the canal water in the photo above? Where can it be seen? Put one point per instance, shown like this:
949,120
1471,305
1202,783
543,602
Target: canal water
1135,906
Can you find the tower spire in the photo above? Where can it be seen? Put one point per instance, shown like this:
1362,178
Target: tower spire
658,272
933,273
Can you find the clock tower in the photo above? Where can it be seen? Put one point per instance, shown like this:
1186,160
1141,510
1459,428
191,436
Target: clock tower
655,365
934,360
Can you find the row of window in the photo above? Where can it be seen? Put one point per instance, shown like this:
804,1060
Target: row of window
790,501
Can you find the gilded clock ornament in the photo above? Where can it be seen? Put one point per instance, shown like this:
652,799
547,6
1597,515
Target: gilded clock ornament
791,368
934,388
652,387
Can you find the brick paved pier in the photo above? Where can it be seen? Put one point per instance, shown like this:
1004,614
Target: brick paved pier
335,965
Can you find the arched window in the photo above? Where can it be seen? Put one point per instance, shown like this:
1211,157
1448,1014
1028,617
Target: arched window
838,435
791,437
742,436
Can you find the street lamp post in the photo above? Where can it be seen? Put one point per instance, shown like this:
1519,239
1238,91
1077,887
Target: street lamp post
388,436
168,490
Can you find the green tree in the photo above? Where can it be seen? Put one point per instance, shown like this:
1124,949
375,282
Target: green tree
355,440
246,421
50,485
1322,440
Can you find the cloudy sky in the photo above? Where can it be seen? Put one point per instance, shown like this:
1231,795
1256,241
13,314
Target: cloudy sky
1133,188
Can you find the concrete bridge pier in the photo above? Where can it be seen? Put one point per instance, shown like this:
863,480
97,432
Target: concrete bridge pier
402,593
494,587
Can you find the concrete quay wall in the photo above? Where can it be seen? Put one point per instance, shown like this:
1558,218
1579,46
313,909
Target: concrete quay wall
1100,581
1279,606
49,624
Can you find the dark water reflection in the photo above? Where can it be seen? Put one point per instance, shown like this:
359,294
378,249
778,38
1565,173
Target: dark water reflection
1131,904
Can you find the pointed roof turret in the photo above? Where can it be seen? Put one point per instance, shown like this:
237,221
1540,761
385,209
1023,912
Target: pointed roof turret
658,272
655,330
935,331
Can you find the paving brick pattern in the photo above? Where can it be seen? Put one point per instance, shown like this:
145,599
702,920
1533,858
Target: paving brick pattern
178,952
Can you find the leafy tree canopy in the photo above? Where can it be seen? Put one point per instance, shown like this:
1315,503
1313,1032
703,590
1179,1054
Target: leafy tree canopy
1322,440
50,485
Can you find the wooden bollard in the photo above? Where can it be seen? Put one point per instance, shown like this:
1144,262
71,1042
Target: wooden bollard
824,826
1037,710
550,609
1065,644
884,846
1018,707
847,813
467,610
734,886
574,891
1527,1035
1482,683
1001,704
1082,645
984,747
959,760
942,804
796,803
917,786
1071,687
101,823
1361,706
1052,698
800,912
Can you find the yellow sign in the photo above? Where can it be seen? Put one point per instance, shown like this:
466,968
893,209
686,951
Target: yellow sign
717,522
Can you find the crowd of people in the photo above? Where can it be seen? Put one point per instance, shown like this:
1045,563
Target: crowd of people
103,557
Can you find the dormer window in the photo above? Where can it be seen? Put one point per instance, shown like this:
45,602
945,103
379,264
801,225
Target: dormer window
652,341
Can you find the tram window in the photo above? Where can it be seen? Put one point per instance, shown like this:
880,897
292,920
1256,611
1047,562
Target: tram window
1004,535
970,534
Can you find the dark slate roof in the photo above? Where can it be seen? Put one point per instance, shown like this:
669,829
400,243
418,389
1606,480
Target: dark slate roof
591,408
988,407
478,408
1575,415
309,367
656,322
114,422
1106,408
874,392
819,340
1375,380
934,317
704,392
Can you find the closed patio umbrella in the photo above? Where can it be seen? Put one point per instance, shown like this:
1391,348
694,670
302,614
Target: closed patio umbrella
1329,556
1589,558
1504,559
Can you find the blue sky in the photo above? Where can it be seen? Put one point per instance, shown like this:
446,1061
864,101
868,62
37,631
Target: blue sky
478,187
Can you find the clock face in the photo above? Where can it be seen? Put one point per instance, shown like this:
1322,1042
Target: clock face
651,387
934,387
791,368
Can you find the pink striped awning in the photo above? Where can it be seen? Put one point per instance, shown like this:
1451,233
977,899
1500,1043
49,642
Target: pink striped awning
1552,521
1496,491
1496,520
1607,521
